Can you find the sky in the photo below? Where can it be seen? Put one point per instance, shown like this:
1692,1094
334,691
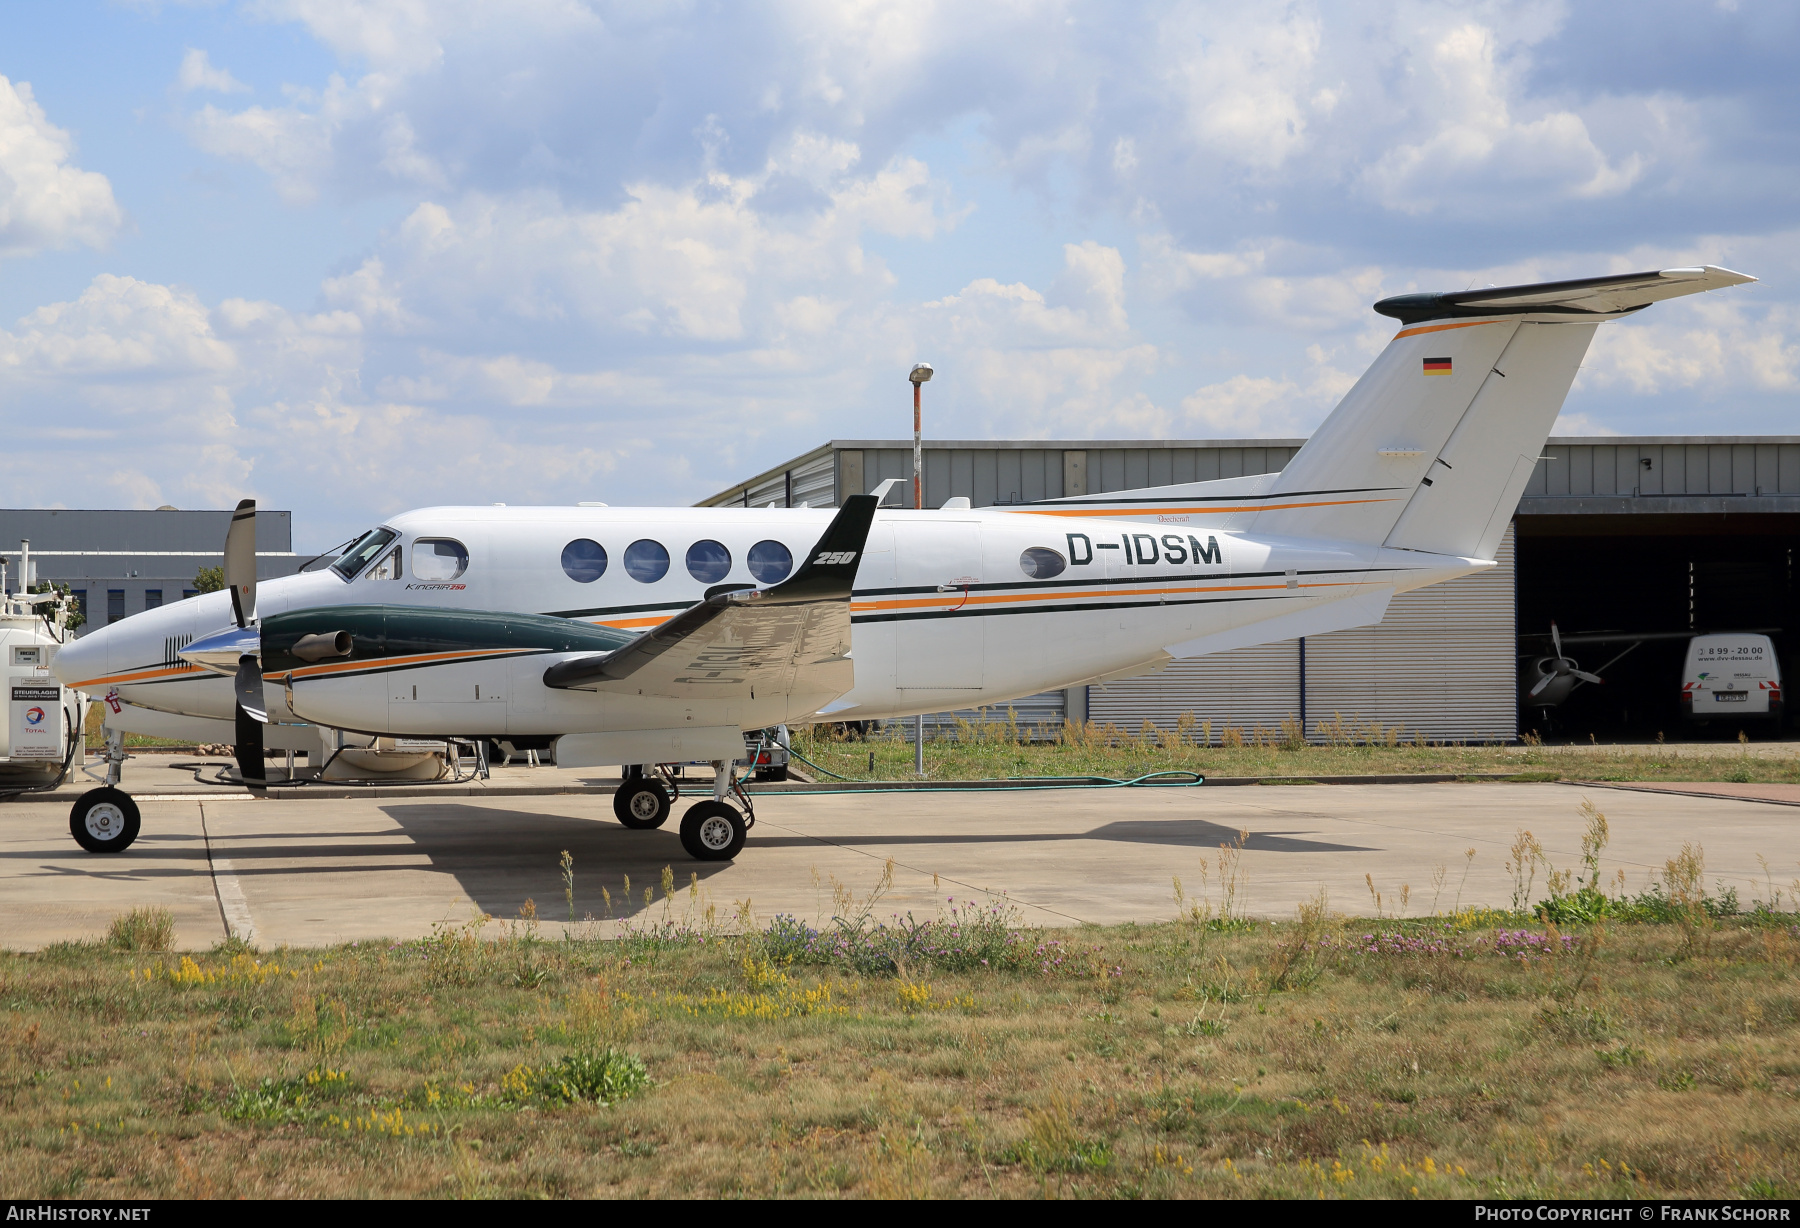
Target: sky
351,258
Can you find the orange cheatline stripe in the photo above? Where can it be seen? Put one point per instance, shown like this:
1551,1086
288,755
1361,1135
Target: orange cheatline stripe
142,675
1438,328
622,623
422,658
956,600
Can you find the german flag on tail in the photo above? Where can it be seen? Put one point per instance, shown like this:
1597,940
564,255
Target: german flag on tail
1437,366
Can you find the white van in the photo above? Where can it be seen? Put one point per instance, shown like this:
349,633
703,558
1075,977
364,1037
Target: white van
1731,677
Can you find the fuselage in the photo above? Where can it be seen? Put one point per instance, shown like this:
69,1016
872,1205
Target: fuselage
951,609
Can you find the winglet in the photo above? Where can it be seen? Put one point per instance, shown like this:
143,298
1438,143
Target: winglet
826,575
830,567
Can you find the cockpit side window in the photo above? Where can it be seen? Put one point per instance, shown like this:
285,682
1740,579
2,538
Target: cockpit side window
388,568
357,557
439,558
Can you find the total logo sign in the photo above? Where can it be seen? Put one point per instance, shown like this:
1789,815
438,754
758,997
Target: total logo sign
36,732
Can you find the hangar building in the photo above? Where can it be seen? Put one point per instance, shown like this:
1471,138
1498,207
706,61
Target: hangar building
119,563
1614,533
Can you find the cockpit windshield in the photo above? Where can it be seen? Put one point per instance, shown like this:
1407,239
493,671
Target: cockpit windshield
357,557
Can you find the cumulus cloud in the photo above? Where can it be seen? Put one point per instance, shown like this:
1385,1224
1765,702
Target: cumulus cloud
198,72
45,200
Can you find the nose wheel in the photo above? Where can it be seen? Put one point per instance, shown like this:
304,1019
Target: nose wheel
104,821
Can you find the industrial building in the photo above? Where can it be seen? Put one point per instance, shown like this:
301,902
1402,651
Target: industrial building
1625,534
119,563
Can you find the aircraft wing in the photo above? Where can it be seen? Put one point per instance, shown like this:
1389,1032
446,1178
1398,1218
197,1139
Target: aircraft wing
791,639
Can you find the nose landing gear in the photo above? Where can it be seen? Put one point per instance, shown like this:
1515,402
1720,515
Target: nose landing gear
105,820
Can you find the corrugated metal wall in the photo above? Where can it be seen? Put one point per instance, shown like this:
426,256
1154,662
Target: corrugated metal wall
1440,664
1657,466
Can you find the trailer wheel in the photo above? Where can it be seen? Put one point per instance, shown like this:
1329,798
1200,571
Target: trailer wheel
104,821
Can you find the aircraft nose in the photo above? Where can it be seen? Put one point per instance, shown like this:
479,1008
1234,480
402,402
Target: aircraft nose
82,660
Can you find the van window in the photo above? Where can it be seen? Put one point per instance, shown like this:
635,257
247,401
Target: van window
439,558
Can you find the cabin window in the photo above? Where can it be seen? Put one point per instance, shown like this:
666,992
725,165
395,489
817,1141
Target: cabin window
770,562
388,568
708,561
584,560
646,561
439,558
358,556
1041,562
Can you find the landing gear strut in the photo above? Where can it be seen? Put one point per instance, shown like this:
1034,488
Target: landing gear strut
105,820
714,830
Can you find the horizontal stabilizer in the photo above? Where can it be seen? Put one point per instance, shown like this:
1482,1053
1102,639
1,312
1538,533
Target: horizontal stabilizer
1584,296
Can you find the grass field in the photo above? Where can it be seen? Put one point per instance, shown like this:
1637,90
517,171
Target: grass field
996,749
1654,1050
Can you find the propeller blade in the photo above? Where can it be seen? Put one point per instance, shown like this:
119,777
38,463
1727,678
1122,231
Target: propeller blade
249,750
1587,677
1556,637
240,562
1543,682
250,690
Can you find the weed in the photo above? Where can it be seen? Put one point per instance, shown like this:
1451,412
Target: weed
142,929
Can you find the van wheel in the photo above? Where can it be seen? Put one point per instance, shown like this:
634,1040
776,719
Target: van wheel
104,821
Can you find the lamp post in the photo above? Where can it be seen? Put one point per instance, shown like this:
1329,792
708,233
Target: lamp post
920,373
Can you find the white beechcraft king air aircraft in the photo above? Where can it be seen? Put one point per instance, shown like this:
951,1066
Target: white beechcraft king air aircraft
570,623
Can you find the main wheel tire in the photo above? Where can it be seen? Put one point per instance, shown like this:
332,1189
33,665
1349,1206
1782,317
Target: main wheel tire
104,821
712,831
641,803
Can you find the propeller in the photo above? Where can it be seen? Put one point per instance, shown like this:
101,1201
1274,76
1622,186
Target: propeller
1560,667
251,709
240,561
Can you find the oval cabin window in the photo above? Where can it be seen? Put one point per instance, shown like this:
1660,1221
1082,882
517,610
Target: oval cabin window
708,561
1041,562
770,562
646,561
439,559
584,561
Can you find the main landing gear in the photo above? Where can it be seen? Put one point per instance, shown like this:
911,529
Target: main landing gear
711,830
105,820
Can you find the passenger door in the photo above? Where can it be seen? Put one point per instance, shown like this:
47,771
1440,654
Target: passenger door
938,635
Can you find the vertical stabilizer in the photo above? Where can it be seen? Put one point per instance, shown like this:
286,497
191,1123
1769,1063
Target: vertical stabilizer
1433,446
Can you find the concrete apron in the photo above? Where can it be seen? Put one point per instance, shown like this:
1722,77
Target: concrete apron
310,872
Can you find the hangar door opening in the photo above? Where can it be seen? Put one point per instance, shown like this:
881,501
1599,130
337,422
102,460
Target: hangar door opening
1652,573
